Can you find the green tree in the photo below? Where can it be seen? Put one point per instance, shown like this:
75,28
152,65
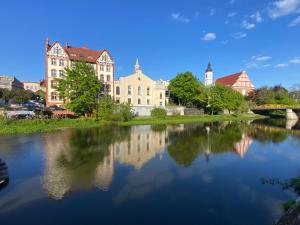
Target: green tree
6,95
80,88
22,96
184,88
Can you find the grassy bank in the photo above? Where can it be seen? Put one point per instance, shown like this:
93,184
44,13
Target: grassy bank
36,126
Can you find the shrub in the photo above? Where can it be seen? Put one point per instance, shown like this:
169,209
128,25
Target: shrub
159,113
125,112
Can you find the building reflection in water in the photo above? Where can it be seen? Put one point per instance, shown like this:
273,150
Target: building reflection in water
81,161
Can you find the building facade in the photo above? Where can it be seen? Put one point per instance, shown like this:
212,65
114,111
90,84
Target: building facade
140,91
10,82
33,86
59,57
239,81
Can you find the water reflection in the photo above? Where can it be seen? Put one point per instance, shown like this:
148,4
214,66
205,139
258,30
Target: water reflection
83,159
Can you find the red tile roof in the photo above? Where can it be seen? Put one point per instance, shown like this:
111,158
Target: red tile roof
229,80
83,53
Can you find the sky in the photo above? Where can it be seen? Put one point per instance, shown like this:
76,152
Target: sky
167,36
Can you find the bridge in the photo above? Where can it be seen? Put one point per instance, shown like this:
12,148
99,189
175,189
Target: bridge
292,112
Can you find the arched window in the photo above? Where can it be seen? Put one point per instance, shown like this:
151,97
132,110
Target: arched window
129,90
117,90
148,91
53,95
139,90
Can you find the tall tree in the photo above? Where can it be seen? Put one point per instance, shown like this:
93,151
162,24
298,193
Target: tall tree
184,88
80,88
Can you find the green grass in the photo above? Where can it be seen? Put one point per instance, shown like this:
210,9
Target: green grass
37,126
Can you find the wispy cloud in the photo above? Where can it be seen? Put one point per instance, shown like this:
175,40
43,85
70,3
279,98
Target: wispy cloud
280,8
295,22
231,14
258,62
180,18
295,60
256,16
209,37
281,65
239,35
212,12
247,25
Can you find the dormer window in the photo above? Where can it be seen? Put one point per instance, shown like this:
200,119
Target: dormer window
73,54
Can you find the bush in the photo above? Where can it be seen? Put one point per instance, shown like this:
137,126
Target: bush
159,113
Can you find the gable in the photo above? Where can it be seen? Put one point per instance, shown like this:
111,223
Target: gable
105,57
57,50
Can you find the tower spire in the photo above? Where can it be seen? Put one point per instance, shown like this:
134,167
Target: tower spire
137,65
208,75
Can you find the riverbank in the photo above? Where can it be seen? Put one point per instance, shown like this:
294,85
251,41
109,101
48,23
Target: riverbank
38,126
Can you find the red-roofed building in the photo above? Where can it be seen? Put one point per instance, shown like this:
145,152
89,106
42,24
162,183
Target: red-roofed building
59,57
239,81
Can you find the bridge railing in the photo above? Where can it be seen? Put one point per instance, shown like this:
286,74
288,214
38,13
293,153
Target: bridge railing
275,106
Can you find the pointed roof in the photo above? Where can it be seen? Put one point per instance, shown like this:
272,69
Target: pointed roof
83,53
208,69
229,80
137,65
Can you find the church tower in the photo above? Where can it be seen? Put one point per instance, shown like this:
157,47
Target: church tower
137,66
208,75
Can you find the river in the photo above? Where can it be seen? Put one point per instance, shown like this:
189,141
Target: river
208,173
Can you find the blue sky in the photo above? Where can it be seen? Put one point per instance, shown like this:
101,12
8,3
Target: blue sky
168,36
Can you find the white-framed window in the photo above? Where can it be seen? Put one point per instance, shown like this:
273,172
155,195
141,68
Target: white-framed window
107,68
53,62
148,91
61,62
101,68
54,95
160,95
117,90
54,84
53,73
61,73
129,90
160,103
129,100
139,101
102,77
139,90
108,78
148,101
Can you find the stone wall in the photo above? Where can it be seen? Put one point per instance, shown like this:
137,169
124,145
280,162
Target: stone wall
193,111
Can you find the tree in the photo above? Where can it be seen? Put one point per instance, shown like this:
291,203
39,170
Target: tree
222,97
80,88
6,95
22,96
184,88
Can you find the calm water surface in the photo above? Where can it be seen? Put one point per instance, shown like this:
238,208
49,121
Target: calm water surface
185,174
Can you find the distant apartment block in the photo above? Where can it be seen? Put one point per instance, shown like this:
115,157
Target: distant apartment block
10,82
58,57
34,86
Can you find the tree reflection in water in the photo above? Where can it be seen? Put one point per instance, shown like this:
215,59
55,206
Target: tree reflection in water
84,158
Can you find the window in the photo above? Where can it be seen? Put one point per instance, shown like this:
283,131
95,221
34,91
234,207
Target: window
61,73
102,77
139,101
53,62
117,90
62,62
101,68
53,73
160,95
53,84
148,91
53,95
129,89
118,101
107,68
129,100
148,101
108,88
107,78
160,103
139,90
